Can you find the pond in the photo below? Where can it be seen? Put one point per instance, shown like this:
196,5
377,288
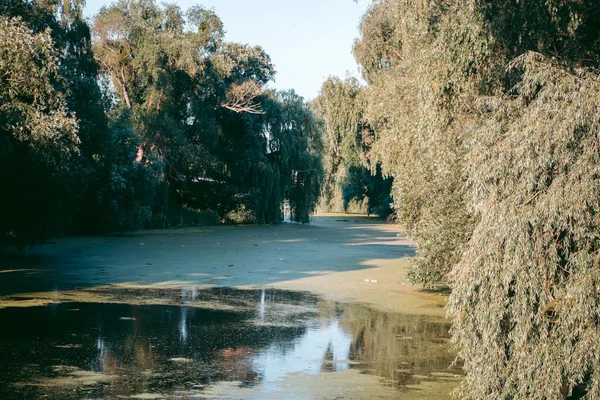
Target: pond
218,343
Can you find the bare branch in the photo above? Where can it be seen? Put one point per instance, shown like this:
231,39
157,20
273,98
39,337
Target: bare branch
241,98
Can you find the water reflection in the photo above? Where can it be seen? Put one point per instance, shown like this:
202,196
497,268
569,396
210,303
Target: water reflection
91,350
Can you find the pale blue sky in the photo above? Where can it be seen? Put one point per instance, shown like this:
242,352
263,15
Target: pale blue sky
308,40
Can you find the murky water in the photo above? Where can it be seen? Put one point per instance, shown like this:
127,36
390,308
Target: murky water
250,340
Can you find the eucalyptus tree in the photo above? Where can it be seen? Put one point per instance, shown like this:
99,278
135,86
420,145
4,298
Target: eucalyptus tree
180,81
337,106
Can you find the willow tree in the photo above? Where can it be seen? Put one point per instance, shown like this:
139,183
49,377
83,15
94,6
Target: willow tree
296,147
526,297
419,126
38,138
486,114
525,293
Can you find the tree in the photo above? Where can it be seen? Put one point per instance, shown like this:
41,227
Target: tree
295,148
350,174
199,105
166,77
38,137
525,290
157,113
485,112
420,126
525,297
94,168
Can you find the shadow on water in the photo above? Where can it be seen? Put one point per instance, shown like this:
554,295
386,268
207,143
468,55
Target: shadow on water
252,339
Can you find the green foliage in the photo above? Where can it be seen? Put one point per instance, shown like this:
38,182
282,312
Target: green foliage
199,104
102,171
532,261
349,174
132,187
420,127
241,215
38,137
360,184
158,118
485,112
294,140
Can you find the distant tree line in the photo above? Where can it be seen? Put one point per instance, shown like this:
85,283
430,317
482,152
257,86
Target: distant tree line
145,118
486,114
353,180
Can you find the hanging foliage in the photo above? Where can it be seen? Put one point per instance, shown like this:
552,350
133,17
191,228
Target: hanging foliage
350,176
486,114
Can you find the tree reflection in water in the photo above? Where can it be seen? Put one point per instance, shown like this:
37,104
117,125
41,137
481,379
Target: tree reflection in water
167,344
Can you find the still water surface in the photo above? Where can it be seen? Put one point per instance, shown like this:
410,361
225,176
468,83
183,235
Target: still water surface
253,339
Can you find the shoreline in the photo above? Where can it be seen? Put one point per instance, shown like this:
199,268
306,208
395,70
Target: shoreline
341,258
382,287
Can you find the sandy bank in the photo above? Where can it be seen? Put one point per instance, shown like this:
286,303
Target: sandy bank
383,286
